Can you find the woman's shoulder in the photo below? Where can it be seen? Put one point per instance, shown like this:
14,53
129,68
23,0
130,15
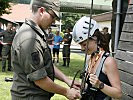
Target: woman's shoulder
110,59
110,62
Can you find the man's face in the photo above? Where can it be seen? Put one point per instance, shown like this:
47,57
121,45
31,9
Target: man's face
57,32
47,18
67,31
105,30
9,26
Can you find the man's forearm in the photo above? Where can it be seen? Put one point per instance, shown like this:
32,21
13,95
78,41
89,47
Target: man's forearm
48,85
59,75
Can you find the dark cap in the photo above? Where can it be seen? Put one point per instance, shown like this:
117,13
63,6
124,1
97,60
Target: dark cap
105,28
54,5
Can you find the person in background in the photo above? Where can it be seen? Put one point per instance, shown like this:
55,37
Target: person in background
103,81
56,48
1,39
1,30
67,39
34,72
14,29
8,36
106,35
50,38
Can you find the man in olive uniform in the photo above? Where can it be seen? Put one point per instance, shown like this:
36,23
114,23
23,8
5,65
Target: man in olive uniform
66,48
1,38
34,72
8,36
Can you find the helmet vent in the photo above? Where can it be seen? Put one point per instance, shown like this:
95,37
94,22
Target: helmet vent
85,27
85,33
87,22
81,38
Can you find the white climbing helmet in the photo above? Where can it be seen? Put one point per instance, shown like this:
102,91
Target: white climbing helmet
81,28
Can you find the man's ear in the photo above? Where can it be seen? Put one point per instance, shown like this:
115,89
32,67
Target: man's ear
41,10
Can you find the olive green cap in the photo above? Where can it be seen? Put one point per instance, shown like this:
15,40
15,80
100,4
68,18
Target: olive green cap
54,5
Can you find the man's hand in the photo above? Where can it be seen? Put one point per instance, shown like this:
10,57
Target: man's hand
73,94
65,40
76,84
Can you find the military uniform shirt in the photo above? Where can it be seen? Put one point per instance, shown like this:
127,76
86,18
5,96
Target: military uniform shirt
31,61
7,36
69,38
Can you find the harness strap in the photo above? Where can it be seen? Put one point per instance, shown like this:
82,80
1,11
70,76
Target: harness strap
105,55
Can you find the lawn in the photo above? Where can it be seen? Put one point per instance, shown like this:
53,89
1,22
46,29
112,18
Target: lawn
75,65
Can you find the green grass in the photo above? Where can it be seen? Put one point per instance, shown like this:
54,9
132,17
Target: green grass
75,65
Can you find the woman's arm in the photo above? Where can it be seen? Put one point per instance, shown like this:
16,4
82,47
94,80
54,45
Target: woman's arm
112,73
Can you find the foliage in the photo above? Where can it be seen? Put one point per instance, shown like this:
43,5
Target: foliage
4,7
61,34
69,19
75,65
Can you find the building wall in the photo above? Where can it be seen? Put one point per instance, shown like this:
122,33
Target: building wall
124,55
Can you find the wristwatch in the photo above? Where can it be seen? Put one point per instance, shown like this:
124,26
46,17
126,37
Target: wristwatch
101,85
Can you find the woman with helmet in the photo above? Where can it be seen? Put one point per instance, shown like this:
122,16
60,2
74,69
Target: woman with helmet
106,84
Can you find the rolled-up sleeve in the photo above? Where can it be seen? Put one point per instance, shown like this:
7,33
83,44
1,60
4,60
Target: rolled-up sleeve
38,74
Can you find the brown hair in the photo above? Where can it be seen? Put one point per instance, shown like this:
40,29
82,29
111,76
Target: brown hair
35,8
101,40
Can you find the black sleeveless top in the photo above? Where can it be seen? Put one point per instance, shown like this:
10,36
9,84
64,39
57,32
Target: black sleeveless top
99,95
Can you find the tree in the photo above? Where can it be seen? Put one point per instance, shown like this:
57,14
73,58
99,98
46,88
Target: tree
4,7
69,20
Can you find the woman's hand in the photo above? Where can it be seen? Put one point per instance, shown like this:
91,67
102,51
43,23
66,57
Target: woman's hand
94,80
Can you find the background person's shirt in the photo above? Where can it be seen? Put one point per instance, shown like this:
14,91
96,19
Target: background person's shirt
69,38
57,40
8,36
50,36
